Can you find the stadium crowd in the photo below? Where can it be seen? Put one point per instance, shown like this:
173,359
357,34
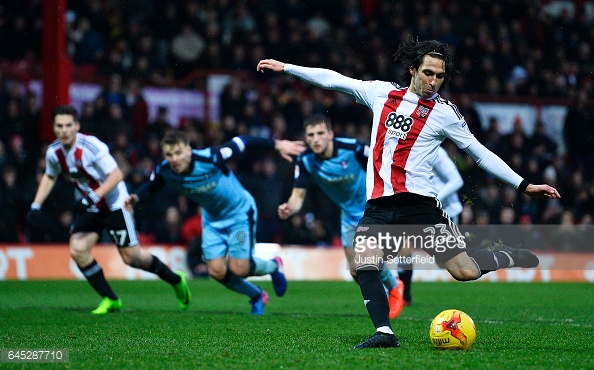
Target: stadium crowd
504,49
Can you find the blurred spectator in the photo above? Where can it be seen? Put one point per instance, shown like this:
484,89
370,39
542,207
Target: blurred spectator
541,145
516,142
296,232
21,160
264,185
467,215
169,230
11,205
89,123
167,26
88,43
191,228
490,199
320,235
159,125
238,22
507,216
14,45
532,237
566,236
113,93
137,109
579,132
186,48
124,147
493,136
114,125
233,99
471,117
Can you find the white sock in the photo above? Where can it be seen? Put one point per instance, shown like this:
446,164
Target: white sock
385,330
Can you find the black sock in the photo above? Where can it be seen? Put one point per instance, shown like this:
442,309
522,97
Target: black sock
374,294
488,261
94,274
160,269
241,285
405,272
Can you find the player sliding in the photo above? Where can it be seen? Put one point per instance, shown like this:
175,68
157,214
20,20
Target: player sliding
337,165
229,212
85,161
409,124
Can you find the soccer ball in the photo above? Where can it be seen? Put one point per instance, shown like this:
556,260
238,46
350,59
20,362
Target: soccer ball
452,329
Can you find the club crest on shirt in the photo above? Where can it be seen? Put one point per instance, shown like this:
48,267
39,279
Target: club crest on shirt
344,165
422,111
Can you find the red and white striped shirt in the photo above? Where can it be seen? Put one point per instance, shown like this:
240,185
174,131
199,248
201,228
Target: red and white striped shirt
86,165
406,133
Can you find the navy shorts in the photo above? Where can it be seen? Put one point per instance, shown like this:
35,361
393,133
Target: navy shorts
412,214
119,224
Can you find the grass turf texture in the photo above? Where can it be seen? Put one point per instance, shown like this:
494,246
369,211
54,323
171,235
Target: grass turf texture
314,326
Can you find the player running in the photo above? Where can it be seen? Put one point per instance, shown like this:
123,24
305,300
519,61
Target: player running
229,212
337,165
86,162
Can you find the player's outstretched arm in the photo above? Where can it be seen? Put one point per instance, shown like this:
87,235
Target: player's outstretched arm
542,191
321,77
491,163
271,65
287,148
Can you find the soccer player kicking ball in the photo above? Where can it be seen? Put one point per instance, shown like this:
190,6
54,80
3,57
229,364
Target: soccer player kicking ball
85,161
229,212
337,165
409,124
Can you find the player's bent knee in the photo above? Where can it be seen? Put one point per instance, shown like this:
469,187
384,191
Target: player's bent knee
131,261
217,271
216,274
217,268
131,256
77,251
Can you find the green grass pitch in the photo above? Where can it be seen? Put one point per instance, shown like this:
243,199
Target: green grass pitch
313,327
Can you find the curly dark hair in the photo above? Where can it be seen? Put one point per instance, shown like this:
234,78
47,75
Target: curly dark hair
411,54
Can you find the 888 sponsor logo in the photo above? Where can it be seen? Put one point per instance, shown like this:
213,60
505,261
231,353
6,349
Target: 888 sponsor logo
398,125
